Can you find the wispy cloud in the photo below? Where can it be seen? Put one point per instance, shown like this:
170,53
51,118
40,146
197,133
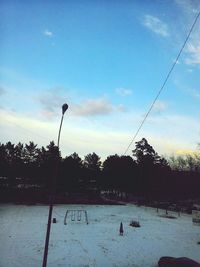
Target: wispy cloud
193,52
190,70
194,93
19,79
190,91
51,102
48,33
156,25
167,134
159,106
2,91
123,91
188,10
189,6
95,107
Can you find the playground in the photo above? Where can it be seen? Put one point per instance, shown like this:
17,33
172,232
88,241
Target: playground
88,236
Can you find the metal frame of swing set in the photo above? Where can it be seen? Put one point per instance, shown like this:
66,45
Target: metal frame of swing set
76,215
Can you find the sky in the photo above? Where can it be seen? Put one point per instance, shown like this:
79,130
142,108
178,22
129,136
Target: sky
107,60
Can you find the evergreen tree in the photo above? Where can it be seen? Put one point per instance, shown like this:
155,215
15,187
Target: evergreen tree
71,173
153,169
92,171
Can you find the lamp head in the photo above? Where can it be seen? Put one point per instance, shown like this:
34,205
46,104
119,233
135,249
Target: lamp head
64,108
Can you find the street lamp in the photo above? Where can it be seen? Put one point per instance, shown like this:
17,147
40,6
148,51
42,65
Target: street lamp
44,264
64,108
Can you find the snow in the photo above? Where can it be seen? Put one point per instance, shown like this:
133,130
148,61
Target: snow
98,244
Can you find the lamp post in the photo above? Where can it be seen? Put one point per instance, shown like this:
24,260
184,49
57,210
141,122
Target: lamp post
44,264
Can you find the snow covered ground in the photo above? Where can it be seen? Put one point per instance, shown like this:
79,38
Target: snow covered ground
98,244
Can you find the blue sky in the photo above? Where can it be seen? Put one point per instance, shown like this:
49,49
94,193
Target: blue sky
107,60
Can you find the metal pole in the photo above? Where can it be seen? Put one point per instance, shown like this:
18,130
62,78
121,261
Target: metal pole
44,264
60,131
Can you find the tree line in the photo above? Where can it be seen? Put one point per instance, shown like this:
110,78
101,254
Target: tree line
27,173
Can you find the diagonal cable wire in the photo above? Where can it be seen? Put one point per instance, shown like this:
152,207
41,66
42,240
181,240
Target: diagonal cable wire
164,83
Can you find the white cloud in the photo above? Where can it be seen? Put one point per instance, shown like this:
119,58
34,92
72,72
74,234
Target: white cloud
78,134
175,125
2,91
51,102
193,52
123,91
24,126
94,107
156,25
188,6
190,91
159,106
48,33
176,61
189,10
20,80
167,134
121,108
194,93
190,70
170,134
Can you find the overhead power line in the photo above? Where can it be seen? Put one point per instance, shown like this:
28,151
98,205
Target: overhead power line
164,83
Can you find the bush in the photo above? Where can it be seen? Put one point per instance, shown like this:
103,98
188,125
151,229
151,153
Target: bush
134,223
